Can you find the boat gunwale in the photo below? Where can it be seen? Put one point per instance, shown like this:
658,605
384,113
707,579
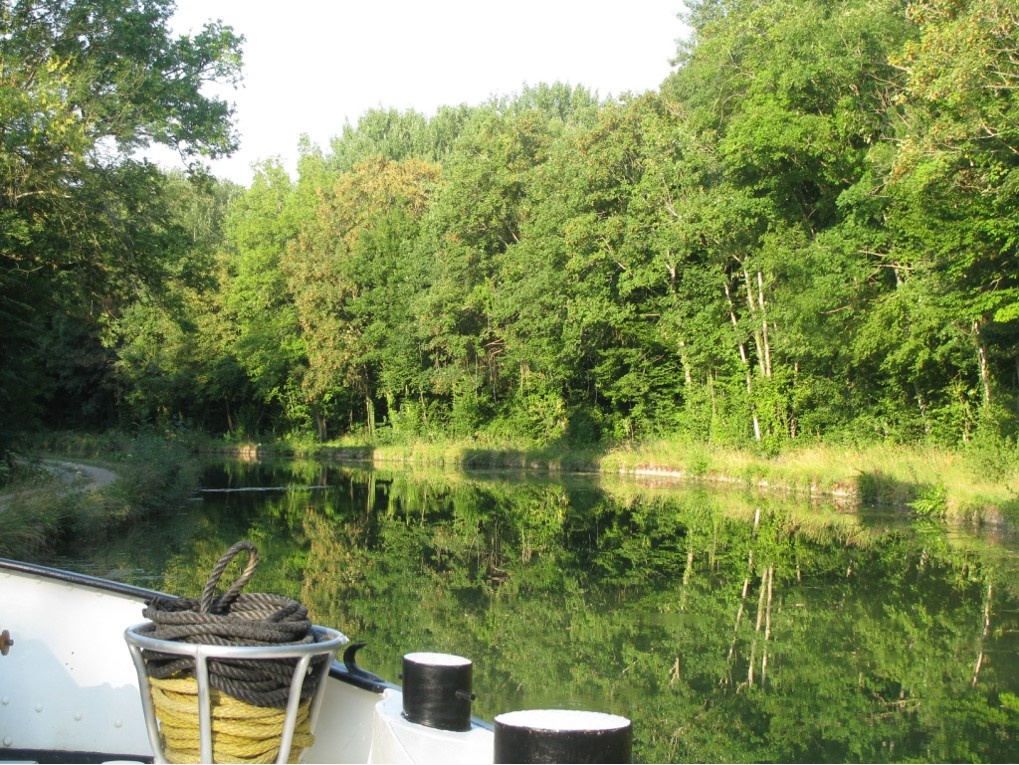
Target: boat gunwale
353,675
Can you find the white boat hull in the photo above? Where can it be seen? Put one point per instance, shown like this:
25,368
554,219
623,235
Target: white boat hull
69,690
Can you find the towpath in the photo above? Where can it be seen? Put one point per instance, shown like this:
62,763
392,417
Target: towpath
74,476
80,476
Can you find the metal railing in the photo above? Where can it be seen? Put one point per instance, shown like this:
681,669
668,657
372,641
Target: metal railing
327,643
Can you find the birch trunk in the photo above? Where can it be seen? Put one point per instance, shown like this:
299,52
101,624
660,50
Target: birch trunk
746,365
758,336
687,372
923,408
764,324
985,369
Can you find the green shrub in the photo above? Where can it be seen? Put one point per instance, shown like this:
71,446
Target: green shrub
932,501
470,410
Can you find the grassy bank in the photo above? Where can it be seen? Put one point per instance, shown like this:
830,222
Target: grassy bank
926,480
41,507
40,510
975,484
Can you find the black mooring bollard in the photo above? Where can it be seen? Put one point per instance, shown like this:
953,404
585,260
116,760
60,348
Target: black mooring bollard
562,735
437,690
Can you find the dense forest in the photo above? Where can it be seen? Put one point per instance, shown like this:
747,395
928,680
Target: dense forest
808,233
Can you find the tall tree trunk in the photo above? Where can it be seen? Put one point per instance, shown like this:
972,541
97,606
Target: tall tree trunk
714,404
923,408
794,430
746,365
758,336
683,356
758,312
764,324
684,360
370,408
985,369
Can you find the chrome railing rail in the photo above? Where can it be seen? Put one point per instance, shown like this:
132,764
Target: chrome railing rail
329,641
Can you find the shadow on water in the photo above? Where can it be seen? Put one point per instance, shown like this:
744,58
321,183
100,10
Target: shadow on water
729,627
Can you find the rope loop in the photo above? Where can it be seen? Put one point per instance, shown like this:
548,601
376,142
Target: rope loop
211,604
234,618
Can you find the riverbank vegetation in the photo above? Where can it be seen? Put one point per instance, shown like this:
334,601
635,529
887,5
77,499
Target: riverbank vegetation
800,251
928,480
45,503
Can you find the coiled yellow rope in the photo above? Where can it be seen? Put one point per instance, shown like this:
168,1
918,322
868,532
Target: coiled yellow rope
241,732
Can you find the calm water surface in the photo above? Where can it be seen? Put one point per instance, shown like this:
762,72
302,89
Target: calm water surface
727,627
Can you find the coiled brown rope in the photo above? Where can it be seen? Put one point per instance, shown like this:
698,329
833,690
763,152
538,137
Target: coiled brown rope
234,618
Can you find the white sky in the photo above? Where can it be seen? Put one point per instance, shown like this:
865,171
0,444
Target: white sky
310,66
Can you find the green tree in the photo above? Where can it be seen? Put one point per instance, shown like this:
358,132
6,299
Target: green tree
476,215
344,293
397,136
952,190
83,86
262,333
794,97
170,364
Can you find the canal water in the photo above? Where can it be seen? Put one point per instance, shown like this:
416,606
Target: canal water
728,627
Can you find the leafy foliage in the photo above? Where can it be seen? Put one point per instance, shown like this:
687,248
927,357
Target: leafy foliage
806,234
84,227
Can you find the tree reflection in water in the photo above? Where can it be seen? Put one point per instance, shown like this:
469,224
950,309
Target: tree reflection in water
727,627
